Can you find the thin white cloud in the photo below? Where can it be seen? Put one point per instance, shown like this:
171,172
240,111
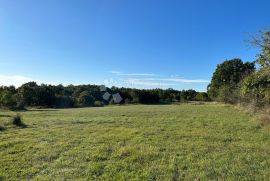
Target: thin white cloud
16,80
177,80
139,74
132,74
116,72
172,78
141,82
186,80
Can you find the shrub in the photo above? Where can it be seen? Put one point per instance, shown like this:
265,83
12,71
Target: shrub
7,99
202,96
98,104
17,121
257,86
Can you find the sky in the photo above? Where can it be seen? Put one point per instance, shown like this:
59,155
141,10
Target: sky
131,43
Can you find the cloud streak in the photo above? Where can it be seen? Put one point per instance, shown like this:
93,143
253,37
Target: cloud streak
146,83
177,80
170,79
185,80
132,74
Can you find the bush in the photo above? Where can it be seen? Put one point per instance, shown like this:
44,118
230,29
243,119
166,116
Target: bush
98,104
17,121
257,86
202,96
7,99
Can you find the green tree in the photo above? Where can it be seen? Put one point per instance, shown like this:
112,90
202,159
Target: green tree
202,96
256,87
227,76
85,99
27,94
8,97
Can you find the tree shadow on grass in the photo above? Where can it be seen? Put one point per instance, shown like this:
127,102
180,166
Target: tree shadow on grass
5,116
2,129
37,110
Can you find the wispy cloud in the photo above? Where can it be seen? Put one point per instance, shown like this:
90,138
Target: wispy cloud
172,78
176,80
149,80
132,74
186,80
140,82
115,72
16,80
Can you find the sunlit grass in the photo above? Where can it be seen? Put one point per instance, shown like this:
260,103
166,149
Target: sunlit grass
166,142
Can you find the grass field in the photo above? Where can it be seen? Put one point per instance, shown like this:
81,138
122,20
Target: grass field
163,142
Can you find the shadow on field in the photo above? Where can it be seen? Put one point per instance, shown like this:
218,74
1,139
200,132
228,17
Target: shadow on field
5,116
38,110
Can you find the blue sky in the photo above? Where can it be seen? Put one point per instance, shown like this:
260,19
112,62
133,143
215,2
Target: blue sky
142,43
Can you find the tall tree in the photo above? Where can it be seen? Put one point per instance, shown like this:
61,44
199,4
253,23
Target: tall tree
256,87
227,76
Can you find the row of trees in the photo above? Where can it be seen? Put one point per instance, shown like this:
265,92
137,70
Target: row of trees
238,82
59,96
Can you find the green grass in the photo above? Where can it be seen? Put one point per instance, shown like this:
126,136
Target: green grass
164,142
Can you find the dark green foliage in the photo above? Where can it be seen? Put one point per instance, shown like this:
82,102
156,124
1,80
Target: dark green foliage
257,86
202,96
85,99
127,101
59,96
188,95
7,97
98,104
62,101
145,97
226,78
28,94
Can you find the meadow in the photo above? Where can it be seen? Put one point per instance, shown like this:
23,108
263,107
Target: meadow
135,142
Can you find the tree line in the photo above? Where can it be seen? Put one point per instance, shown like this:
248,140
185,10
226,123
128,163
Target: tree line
58,96
246,83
